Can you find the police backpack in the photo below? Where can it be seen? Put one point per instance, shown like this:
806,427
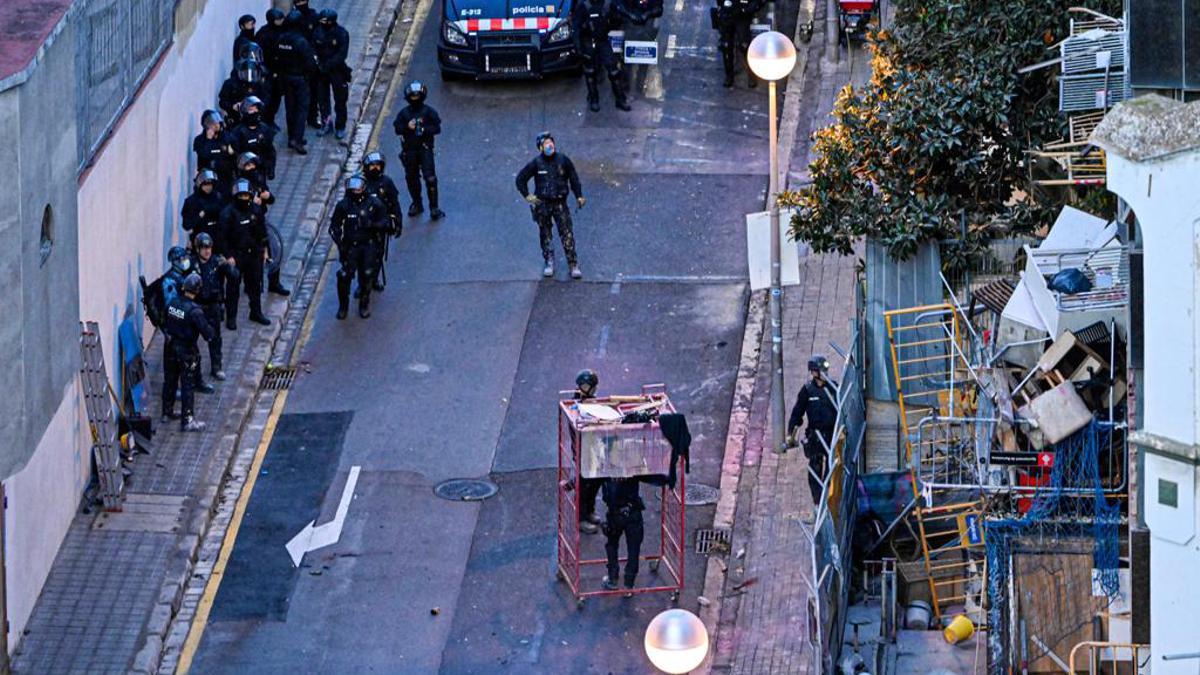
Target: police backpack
154,301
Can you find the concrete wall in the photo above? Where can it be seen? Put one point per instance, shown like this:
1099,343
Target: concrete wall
129,200
44,459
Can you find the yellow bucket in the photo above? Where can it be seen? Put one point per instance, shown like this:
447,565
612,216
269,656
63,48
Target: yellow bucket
959,629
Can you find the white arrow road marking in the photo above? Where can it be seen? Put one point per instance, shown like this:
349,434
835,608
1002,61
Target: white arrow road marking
312,538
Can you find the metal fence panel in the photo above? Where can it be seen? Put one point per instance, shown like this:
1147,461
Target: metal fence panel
894,285
117,44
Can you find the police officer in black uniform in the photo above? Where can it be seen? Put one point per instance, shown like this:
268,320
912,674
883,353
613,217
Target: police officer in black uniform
250,169
201,211
417,124
359,221
267,37
249,80
585,389
295,63
179,265
332,44
382,188
255,135
553,177
245,34
213,146
624,517
183,325
244,231
592,20
308,26
732,19
818,401
216,274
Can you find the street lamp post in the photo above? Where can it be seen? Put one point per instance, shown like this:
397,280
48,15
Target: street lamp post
772,56
676,641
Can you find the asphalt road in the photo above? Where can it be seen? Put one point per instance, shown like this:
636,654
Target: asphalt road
457,374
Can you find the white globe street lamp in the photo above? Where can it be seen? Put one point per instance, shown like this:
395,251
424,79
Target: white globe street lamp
772,56
676,641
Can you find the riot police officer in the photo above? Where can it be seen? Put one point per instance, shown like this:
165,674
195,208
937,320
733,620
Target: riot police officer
248,168
179,266
554,176
244,231
213,146
359,220
382,188
295,63
586,382
201,211
417,124
183,325
332,44
732,20
624,517
267,37
245,34
216,275
309,19
249,80
592,20
818,401
255,135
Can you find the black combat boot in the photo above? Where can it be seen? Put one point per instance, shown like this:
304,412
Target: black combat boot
343,294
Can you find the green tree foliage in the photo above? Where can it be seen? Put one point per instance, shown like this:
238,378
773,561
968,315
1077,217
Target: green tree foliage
941,130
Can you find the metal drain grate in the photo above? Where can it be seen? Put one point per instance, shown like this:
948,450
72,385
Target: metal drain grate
466,489
713,541
278,378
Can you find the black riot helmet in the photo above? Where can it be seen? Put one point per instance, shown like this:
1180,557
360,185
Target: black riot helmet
275,15
249,71
542,138
817,363
242,191
374,163
294,20
206,177
586,382
251,105
328,16
204,240
246,19
178,258
415,92
251,51
247,161
356,186
192,284
211,117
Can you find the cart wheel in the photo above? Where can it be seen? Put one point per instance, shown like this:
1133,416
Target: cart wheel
675,597
654,566
559,575
579,604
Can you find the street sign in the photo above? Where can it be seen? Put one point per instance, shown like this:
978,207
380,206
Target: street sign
641,51
758,250
1043,459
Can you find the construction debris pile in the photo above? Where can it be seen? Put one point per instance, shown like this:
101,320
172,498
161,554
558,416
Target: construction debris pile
1013,406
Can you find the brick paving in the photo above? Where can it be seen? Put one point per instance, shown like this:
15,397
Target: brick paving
110,593
762,627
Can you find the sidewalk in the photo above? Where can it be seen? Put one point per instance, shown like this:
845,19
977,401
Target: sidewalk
119,578
761,603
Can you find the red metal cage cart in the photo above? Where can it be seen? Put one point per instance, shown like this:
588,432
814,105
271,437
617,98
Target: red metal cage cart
594,443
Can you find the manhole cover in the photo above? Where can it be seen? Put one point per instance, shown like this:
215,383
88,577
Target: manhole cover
698,494
466,489
712,541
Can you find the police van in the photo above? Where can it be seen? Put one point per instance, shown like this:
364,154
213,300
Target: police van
506,38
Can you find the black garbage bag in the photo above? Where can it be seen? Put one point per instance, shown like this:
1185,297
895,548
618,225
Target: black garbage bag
1070,281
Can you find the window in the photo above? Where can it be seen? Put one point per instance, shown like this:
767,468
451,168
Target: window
47,234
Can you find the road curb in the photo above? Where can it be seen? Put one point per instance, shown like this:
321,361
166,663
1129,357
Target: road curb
748,368
208,519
